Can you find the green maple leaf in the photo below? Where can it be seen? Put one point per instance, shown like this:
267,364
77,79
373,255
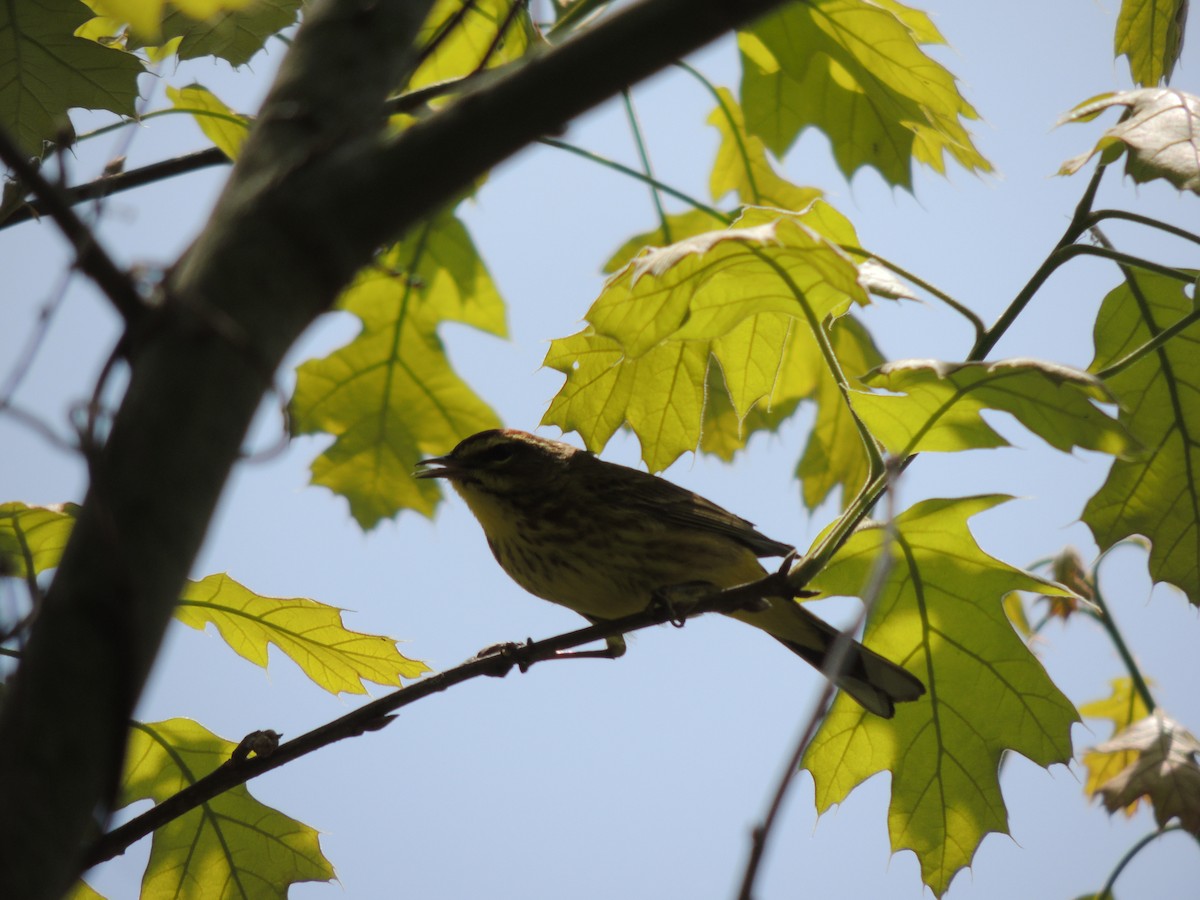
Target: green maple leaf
32,538
1156,494
735,295
742,165
855,69
232,30
834,455
220,124
45,70
940,614
309,632
941,402
1150,34
463,35
390,396
230,846
678,227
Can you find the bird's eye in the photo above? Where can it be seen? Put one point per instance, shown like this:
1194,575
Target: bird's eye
495,455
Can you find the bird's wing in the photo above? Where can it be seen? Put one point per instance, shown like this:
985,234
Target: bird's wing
678,506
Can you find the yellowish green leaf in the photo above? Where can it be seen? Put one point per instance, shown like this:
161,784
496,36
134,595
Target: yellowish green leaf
941,403
724,432
678,227
235,33
741,295
1122,707
146,17
1156,494
1159,132
45,70
834,455
220,124
1150,34
466,37
940,614
742,165
310,633
32,538
390,397
1014,608
84,891
855,70
700,288
230,846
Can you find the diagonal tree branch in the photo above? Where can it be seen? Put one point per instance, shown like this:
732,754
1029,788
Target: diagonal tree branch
495,662
319,185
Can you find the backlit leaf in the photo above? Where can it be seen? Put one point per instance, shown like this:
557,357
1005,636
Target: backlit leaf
834,455
739,295
1150,34
1122,707
234,32
1156,494
232,846
1160,132
941,402
33,535
855,70
390,396
310,633
680,226
220,124
468,36
742,165
45,70
940,614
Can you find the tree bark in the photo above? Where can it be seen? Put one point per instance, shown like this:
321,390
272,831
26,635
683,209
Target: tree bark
319,186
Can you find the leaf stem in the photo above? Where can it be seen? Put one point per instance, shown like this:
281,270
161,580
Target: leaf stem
874,455
734,128
1101,214
1106,891
1150,346
1104,617
1077,226
656,198
634,173
960,308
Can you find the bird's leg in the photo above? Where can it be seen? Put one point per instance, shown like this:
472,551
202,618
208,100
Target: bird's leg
675,601
614,647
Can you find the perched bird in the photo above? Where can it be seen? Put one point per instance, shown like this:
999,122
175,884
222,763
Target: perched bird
606,540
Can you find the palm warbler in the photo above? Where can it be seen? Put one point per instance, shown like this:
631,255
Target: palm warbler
606,540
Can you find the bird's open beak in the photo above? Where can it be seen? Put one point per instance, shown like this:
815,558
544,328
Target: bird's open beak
436,467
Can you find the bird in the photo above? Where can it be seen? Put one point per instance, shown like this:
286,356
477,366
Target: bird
607,540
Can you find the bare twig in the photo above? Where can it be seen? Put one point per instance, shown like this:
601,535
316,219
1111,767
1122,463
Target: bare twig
91,257
373,716
835,664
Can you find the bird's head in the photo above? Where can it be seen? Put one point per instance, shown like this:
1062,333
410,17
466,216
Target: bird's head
499,462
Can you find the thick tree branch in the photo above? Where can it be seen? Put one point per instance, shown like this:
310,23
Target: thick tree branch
319,186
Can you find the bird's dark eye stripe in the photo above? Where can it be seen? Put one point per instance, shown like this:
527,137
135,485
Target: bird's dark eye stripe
493,454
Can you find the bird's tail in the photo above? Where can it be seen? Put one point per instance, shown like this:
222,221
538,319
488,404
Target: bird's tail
876,683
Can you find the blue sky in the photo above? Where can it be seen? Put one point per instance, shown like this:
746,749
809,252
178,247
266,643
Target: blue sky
643,777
